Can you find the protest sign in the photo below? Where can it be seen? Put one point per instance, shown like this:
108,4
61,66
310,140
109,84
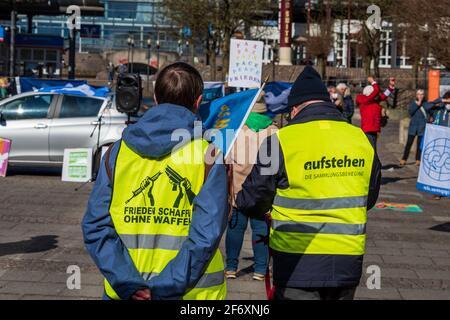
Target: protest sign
77,165
434,172
5,147
245,70
226,116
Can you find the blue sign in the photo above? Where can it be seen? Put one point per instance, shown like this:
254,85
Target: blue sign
90,31
226,116
39,41
434,174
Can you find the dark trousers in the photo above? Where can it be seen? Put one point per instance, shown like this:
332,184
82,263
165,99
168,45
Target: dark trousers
408,146
373,137
314,293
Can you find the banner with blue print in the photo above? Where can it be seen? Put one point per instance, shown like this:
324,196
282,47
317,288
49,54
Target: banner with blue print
434,173
223,118
212,91
276,97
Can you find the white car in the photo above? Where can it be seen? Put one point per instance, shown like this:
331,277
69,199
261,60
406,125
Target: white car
41,125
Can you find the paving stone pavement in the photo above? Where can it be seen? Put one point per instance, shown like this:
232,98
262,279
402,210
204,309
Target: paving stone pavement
40,237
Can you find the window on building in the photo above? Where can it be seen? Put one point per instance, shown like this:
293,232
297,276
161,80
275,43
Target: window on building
122,9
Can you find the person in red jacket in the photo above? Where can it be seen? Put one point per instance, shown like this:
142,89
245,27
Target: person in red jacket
369,104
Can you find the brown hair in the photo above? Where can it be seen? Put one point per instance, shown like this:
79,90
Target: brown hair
180,84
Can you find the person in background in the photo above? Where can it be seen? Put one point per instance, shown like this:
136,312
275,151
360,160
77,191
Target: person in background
122,68
371,111
440,110
336,98
4,88
349,105
111,71
242,157
419,118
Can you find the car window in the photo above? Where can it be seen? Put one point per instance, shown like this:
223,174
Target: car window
75,107
31,107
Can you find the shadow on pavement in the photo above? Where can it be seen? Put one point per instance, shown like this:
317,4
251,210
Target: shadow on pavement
34,171
35,244
445,227
388,180
391,166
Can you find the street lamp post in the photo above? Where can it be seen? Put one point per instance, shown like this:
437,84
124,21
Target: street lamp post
132,54
157,52
129,40
180,50
149,48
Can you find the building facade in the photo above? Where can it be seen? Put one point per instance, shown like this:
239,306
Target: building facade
142,19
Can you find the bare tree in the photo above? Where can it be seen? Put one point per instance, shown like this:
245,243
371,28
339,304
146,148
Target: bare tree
425,26
216,21
320,38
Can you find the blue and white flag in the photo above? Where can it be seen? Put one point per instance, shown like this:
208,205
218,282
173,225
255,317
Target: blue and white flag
83,90
223,118
434,173
33,84
276,97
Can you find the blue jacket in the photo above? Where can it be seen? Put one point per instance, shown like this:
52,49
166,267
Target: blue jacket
151,137
349,108
437,110
418,119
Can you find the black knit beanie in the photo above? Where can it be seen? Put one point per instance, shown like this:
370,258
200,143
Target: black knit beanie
307,87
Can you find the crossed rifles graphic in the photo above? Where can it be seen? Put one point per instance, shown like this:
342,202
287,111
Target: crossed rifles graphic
183,185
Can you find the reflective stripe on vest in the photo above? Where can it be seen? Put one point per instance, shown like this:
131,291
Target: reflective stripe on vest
206,281
320,204
151,208
323,211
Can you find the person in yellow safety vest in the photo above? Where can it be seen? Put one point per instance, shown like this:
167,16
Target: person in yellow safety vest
159,206
319,175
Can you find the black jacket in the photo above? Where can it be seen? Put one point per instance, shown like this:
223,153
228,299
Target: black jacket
256,198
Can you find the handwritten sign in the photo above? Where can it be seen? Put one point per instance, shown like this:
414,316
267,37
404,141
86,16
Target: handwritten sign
5,147
245,63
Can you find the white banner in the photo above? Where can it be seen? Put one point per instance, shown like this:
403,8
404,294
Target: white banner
434,173
245,63
77,165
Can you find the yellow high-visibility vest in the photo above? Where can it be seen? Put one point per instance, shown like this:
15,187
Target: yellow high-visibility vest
152,207
323,211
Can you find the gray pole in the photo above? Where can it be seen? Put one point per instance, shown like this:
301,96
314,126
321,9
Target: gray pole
12,45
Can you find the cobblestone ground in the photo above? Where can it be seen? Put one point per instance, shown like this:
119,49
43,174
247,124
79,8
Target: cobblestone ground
40,237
